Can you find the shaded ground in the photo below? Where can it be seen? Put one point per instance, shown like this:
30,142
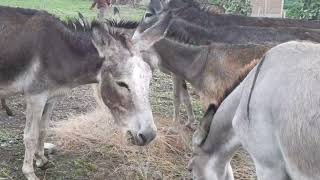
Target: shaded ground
108,161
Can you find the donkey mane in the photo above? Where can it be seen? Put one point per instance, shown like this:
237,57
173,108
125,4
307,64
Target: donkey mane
77,33
178,33
125,24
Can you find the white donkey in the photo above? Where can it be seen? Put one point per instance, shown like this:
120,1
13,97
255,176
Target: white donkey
274,114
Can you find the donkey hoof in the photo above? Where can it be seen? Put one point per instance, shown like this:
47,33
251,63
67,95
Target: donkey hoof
31,176
41,163
9,112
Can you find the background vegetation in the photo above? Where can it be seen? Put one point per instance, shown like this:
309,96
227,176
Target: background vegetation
241,7
303,9
70,8
296,9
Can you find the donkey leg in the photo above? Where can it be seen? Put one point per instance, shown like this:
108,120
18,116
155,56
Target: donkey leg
35,106
6,107
41,160
187,102
177,95
271,171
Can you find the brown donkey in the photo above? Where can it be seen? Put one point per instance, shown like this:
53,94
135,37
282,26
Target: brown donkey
43,58
176,20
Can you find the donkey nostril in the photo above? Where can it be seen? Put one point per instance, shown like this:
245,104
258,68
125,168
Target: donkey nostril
142,137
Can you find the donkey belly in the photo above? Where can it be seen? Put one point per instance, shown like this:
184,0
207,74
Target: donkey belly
18,82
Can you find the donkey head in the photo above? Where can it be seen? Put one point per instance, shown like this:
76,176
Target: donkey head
124,84
153,26
199,164
158,18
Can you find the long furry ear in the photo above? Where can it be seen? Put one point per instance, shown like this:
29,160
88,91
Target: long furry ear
154,34
101,38
155,6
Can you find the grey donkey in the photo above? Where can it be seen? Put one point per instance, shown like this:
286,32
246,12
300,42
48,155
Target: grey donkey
43,58
273,113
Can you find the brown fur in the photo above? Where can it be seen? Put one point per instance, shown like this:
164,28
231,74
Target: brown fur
226,88
228,70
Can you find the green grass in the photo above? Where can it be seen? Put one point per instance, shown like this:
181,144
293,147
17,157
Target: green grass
70,8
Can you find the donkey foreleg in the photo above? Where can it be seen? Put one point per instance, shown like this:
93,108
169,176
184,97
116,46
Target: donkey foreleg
177,85
187,102
41,160
181,94
35,106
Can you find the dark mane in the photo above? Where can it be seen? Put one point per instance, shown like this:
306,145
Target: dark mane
125,24
77,31
177,32
77,24
81,24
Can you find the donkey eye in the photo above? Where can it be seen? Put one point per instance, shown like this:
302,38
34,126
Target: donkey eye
148,14
123,84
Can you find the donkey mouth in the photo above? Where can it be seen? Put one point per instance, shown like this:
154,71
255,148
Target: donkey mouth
130,138
134,139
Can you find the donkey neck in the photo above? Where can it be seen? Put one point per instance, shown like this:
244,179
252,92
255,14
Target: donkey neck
239,34
71,58
204,18
227,66
181,59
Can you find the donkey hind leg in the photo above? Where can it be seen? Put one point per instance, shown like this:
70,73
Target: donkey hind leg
187,102
177,85
271,171
41,160
35,106
6,107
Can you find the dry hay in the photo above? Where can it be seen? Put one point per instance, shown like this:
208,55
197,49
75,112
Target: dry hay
165,158
96,135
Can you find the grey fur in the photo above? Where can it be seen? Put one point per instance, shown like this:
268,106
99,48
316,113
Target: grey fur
282,135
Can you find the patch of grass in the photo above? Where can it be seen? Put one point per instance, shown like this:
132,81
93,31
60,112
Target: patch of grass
83,167
70,8
4,135
5,173
198,109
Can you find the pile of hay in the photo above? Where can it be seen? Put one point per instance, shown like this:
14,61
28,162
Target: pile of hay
165,158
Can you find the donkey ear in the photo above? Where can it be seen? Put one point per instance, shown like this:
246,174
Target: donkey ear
153,34
155,6
101,38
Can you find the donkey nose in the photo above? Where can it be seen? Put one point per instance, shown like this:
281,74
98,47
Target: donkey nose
145,136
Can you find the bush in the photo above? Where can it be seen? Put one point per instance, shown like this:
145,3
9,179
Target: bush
240,7
304,9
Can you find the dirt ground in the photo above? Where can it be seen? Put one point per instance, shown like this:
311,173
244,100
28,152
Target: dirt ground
165,159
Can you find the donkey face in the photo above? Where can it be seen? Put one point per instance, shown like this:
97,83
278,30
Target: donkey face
157,19
124,85
153,26
199,165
